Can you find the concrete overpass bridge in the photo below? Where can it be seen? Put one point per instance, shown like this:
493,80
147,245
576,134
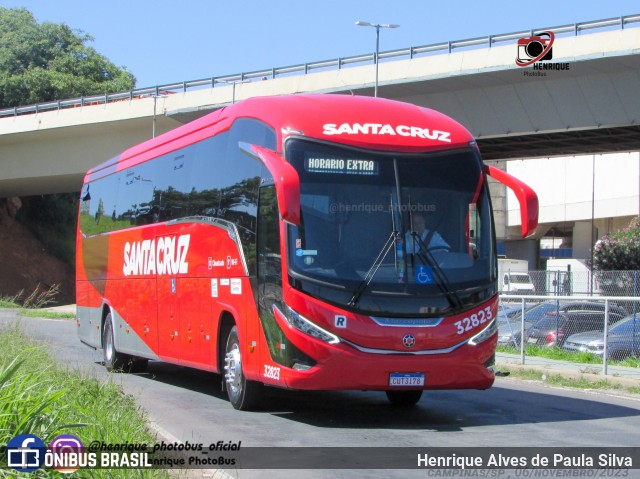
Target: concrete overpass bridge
588,104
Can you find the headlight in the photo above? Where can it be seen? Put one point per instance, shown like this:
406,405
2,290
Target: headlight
485,334
303,324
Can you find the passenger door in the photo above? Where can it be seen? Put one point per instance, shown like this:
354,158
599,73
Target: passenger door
269,270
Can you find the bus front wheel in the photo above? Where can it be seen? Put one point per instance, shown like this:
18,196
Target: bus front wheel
243,394
404,398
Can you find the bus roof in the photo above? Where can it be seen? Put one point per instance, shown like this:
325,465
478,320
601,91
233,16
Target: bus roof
366,122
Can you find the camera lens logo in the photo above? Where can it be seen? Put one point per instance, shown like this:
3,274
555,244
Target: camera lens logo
26,453
67,451
535,48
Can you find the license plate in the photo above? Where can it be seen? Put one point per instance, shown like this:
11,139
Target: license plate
532,341
406,379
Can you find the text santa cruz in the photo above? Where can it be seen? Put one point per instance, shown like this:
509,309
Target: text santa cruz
386,129
166,256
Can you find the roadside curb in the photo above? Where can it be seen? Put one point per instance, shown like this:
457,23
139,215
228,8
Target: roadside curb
579,372
166,436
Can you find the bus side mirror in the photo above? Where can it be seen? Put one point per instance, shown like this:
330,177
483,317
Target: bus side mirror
285,178
526,197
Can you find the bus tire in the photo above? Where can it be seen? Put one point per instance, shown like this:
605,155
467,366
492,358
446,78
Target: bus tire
243,394
113,360
404,398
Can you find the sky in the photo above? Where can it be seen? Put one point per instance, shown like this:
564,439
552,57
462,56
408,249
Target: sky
163,42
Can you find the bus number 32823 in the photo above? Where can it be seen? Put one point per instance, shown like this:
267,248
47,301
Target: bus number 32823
271,372
473,321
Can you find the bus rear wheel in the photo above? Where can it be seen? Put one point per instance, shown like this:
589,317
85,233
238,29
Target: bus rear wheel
114,360
404,398
243,394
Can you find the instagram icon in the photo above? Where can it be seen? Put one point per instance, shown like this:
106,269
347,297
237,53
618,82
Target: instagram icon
67,452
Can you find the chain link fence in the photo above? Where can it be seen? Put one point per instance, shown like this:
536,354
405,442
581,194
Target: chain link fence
578,317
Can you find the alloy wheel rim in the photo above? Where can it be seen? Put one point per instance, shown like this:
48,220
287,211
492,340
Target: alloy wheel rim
233,369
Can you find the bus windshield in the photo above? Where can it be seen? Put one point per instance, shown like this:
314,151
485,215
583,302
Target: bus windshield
377,228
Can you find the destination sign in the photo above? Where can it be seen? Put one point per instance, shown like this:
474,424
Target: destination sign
344,166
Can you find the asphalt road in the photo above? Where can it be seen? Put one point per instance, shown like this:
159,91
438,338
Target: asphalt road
189,405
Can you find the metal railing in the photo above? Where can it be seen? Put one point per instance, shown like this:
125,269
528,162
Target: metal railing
305,68
574,325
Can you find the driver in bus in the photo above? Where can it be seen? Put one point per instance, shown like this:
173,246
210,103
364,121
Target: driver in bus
430,237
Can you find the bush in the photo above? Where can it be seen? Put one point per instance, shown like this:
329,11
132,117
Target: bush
619,251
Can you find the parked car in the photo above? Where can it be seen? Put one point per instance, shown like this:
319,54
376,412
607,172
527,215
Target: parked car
623,340
510,331
509,328
554,327
508,310
534,312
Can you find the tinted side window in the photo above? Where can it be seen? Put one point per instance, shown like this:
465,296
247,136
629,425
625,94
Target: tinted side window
210,178
97,203
225,180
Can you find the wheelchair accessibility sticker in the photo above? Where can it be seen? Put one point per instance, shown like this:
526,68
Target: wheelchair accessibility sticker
424,275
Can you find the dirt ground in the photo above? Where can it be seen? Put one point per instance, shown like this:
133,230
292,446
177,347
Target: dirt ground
24,263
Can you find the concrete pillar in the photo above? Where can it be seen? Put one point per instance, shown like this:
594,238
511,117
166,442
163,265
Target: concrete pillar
528,249
499,202
582,239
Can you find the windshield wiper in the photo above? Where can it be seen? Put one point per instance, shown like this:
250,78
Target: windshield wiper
391,240
426,256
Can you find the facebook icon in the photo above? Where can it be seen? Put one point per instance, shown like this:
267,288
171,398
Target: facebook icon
25,453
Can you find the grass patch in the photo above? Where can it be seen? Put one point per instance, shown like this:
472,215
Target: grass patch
561,354
37,313
8,303
36,397
559,380
39,298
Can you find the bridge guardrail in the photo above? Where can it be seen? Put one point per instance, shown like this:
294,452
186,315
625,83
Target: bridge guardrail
304,68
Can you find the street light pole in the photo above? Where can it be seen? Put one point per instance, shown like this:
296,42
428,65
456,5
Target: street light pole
377,26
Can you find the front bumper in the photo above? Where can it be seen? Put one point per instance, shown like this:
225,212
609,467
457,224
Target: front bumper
345,366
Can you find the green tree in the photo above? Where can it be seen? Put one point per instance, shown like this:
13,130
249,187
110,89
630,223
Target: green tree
49,61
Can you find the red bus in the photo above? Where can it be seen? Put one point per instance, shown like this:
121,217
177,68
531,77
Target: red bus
305,242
